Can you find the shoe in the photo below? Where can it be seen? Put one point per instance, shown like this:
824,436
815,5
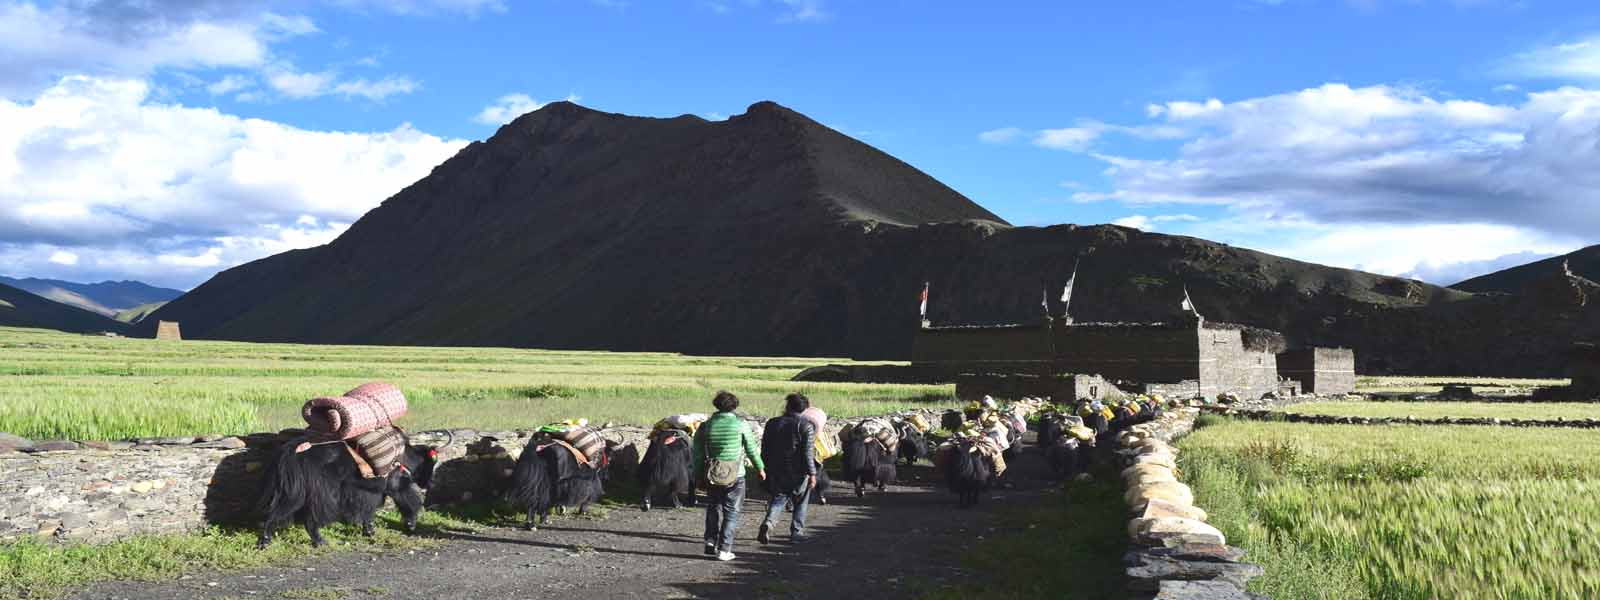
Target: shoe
725,556
761,536
711,549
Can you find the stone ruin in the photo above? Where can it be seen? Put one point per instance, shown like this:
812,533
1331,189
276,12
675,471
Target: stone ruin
168,330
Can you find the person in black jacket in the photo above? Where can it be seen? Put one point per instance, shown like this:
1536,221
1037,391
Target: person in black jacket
787,448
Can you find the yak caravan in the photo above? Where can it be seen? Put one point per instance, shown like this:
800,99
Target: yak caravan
488,299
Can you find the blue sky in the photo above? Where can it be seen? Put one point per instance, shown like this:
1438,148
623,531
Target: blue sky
1435,139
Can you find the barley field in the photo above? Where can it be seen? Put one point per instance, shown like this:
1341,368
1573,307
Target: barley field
1404,512
1403,384
56,385
1435,410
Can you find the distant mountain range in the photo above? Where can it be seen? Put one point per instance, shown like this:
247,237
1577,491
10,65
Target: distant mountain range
20,308
106,298
770,234
1583,263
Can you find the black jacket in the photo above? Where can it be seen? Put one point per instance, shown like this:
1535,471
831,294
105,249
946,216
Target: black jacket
787,447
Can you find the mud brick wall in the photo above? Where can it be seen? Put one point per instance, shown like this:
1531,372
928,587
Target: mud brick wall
1324,371
103,491
1226,365
972,345
1143,353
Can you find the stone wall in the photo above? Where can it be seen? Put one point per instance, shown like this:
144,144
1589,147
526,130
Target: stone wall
1228,365
1130,352
1012,386
1324,371
1175,554
103,491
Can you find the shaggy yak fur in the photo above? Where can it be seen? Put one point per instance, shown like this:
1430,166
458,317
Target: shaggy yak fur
967,473
1049,429
913,445
1068,456
867,462
323,485
951,420
666,468
548,475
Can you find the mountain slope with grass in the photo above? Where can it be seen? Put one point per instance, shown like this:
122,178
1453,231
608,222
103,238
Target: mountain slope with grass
770,234
106,298
1583,263
19,308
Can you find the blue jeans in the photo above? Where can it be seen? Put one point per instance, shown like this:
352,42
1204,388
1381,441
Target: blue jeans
722,514
801,497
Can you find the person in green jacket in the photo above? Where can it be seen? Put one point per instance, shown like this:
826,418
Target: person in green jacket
724,437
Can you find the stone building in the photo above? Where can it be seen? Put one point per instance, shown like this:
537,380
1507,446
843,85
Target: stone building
1324,371
168,330
1184,359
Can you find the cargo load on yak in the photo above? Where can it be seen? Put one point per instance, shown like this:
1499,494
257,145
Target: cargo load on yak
368,407
826,445
576,435
916,421
983,443
687,423
877,428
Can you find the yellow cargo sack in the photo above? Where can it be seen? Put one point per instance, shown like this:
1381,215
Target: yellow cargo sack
827,447
1083,434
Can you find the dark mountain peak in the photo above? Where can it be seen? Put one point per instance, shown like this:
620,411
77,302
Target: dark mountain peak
1584,263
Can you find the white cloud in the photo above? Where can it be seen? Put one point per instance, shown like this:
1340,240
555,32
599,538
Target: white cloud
301,85
1507,88
1066,138
230,84
1333,154
62,257
1002,135
426,7
376,90
129,39
804,11
510,106
136,188
1572,61
1149,223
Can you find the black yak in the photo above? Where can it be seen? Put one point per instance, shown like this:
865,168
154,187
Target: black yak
323,485
667,468
819,494
966,471
913,445
1049,429
868,461
549,475
952,419
1068,455
576,484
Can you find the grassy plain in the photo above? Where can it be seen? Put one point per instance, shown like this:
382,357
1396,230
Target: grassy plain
55,385
1432,384
1435,410
1404,512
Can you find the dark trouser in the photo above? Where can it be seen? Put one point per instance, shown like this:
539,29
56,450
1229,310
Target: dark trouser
800,497
722,514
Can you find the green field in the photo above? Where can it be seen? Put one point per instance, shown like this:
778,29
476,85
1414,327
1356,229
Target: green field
1404,512
1404,384
1435,410
55,385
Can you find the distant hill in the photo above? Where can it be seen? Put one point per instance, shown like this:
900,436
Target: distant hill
769,233
19,308
106,298
137,313
1584,263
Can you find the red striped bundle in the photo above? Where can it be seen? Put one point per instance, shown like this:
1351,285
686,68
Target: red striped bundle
359,411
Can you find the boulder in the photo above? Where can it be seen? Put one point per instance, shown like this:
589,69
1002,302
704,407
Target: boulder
1152,570
1157,508
1155,458
1146,468
1170,491
1202,590
1151,474
1172,531
10,442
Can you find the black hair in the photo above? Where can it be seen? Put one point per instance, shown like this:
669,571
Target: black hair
796,403
725,401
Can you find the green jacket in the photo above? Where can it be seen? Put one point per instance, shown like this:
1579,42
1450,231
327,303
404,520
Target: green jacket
723,437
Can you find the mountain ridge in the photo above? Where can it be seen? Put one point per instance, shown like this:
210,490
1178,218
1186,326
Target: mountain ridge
106,298
769,233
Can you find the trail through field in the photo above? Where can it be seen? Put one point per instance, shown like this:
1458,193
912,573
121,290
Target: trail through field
906,542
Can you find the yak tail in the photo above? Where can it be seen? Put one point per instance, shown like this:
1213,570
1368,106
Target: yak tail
285,484
530,481
858,458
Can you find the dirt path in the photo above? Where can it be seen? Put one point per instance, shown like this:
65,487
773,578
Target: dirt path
898,544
